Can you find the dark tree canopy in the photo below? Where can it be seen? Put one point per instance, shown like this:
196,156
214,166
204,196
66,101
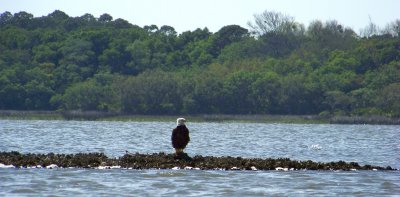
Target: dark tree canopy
58,62
105,18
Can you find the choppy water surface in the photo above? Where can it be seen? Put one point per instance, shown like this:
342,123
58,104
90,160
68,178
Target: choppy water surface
365,144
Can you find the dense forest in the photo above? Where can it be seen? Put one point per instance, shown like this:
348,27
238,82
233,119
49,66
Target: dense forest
276,66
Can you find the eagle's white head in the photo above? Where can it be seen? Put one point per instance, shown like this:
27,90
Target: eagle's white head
180,121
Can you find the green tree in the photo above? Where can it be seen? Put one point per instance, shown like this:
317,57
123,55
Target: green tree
229,34
5,18
39,87
77,63
98,93
121,23
150,93
238,94
245,49
331,35
389,99
167,30
266,93
338,101
105,18
207,95
140,58
22,19
12,92
363,101
88,63
296,96
273,22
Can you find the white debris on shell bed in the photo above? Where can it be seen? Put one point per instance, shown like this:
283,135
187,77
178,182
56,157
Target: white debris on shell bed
281,169
102,167
52,166
6,166
33,167
108,167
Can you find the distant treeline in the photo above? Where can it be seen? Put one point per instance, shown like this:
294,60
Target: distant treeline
277,66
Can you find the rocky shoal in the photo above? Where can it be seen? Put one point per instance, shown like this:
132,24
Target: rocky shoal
171,161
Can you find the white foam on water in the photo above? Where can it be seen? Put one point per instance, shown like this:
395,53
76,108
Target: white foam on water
315,147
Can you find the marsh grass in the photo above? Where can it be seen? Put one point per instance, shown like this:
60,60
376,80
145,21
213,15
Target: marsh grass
113,116
364,120
30,115
223,118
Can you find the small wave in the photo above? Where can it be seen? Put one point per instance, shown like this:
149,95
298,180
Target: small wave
172,174
23,191
315,147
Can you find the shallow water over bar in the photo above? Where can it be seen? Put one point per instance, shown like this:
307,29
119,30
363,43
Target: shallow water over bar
365,144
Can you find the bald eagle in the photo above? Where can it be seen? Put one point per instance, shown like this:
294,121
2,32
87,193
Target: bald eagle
180,136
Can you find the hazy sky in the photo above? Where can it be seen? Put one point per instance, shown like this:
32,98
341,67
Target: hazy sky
186,15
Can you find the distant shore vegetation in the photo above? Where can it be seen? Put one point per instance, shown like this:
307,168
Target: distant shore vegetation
222,118
275,67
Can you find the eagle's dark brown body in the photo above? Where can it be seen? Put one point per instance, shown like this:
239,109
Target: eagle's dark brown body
180,137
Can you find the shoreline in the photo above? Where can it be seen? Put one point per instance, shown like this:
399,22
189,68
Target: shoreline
111,116
171,161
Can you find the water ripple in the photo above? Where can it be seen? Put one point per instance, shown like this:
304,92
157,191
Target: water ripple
366,144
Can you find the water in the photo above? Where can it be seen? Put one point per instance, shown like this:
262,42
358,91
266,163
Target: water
365,144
